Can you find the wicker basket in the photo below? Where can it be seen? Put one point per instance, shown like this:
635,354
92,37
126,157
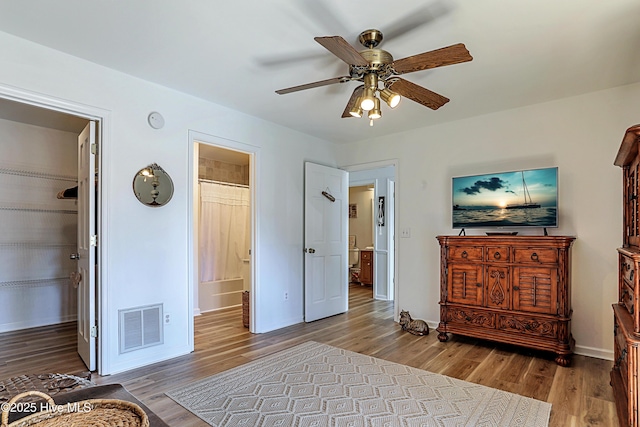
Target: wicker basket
86,413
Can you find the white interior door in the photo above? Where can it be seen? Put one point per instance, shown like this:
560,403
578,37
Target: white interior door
326,200
86,253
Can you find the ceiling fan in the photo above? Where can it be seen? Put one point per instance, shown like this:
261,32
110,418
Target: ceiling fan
378,72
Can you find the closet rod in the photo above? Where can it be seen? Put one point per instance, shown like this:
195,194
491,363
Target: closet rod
38,175
230,184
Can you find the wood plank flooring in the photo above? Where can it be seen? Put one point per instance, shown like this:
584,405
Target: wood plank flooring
580,395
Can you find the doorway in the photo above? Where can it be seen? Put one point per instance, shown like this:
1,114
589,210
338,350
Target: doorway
39,180
223,225
361,235
373,189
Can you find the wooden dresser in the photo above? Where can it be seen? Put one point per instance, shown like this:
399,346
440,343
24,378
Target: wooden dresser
511,289
366,267
624,375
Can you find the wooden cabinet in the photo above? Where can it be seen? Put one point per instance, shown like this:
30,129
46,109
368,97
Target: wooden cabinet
624,375
366,267
512,289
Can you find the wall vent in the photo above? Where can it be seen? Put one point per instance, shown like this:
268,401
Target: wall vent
140,327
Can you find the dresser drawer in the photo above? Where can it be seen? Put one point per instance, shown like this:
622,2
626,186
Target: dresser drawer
536,255
621,361
626,298
628,270
528,325
465,253
471,317
497,254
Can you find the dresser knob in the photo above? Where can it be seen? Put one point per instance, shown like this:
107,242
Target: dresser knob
464,254
534,256
496,255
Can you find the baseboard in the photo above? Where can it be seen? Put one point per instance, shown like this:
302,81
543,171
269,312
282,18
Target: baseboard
598,353
36,323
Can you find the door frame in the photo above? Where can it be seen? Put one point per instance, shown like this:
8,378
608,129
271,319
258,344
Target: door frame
193,216
396,263
102,117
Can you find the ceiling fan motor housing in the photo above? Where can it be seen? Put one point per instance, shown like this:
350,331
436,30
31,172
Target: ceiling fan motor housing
379,63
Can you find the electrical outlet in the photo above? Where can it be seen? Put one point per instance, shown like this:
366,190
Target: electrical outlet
167,318
286,296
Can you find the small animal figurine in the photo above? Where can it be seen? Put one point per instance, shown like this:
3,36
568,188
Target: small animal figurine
415,327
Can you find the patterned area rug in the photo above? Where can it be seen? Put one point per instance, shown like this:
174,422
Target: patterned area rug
319,385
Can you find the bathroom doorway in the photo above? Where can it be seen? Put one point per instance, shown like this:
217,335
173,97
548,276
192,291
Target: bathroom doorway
372,258
361,233
223,232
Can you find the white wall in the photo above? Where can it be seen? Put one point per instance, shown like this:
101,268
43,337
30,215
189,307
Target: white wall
145,258
580,135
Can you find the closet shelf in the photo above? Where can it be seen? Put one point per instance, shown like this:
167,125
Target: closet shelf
62,211
41,175
37,245
35,283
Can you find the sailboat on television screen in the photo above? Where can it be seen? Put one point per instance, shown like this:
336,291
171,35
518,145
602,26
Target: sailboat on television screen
528,203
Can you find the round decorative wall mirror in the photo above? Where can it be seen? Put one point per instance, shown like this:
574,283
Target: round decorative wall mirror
153,186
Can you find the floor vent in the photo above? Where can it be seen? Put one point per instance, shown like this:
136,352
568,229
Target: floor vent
140,327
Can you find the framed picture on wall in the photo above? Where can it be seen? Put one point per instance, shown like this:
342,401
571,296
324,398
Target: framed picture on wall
353,210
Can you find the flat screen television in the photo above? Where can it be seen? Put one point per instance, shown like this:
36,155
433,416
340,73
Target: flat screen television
523,198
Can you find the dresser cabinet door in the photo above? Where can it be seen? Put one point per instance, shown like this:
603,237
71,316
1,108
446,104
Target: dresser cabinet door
631,208
464,284
535,289
497,287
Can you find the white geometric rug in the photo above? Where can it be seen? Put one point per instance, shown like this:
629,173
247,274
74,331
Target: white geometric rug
317,385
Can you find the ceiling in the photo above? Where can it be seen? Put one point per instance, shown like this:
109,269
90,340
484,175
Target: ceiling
237,53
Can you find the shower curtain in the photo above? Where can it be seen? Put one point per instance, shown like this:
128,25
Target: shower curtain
224,231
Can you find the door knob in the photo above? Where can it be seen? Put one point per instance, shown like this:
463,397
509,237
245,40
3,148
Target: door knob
74,256
310,250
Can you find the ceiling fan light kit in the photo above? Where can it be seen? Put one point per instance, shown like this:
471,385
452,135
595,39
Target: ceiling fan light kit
391,98
373,65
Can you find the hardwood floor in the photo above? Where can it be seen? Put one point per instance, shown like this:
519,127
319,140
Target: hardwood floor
580,394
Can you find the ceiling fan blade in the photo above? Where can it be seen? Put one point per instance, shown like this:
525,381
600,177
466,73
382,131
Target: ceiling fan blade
352,101
417,93
342,49
415,19
449,55
342,79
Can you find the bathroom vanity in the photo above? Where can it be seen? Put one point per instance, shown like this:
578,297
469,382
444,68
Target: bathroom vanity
366,266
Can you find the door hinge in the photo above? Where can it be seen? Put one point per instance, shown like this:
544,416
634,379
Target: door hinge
93,240
94,332
94,148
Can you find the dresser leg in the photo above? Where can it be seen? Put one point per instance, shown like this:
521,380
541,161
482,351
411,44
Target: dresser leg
443,337
563,360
